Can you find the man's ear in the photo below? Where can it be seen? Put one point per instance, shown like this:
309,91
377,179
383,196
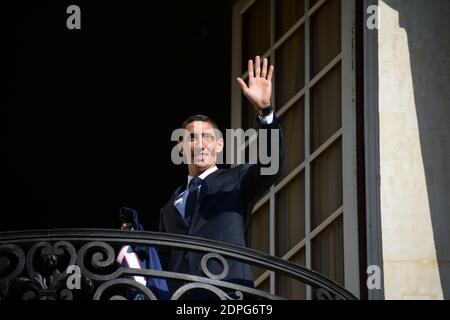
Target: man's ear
219,145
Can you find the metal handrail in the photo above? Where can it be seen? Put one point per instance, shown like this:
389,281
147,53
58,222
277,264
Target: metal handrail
79,237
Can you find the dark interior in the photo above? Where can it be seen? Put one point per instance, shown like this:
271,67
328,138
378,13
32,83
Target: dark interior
86,128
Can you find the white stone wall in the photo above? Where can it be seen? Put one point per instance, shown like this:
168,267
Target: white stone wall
414,116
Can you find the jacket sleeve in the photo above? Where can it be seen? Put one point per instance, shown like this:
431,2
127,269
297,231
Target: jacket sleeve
163,252
257,178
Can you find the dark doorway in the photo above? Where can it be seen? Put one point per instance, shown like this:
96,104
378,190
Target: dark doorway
90,113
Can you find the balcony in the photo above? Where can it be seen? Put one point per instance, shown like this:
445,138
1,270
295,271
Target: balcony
39,265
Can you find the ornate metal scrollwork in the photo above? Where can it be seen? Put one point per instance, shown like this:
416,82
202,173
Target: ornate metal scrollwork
219,293
51,257
34,265
208,273
12,263
143,293
10,269
101,260
323,294
46,277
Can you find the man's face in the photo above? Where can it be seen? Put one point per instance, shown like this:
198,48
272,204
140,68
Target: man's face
201,144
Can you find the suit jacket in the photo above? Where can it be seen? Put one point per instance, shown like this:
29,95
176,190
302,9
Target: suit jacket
223,213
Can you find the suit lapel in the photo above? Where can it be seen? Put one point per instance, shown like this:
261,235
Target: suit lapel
197,222
178,218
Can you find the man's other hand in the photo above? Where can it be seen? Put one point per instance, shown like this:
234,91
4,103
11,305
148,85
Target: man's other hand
126,226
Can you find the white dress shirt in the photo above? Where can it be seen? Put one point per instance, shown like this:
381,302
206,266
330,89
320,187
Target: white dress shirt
180,201
267,119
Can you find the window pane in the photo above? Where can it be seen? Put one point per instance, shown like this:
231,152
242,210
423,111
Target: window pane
328,252
291,288
259,234
326,184
326,102
290,215
265,285
325,35
290,67
312,3
255,31
293,124
288,12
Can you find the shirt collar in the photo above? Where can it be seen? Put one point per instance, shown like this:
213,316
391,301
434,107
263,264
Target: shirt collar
204,174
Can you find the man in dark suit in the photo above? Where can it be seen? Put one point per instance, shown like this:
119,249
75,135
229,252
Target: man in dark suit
213,203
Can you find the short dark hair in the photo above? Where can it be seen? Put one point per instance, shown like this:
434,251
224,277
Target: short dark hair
199,117
203,118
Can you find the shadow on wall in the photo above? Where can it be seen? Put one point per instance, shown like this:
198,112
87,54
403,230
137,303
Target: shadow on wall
426,24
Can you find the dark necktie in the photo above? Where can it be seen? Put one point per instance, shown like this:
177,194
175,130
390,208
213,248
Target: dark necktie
191,201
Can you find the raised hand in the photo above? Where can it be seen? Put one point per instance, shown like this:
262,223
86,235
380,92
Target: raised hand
259,89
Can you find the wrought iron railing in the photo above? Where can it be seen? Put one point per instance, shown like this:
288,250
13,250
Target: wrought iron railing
34,265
